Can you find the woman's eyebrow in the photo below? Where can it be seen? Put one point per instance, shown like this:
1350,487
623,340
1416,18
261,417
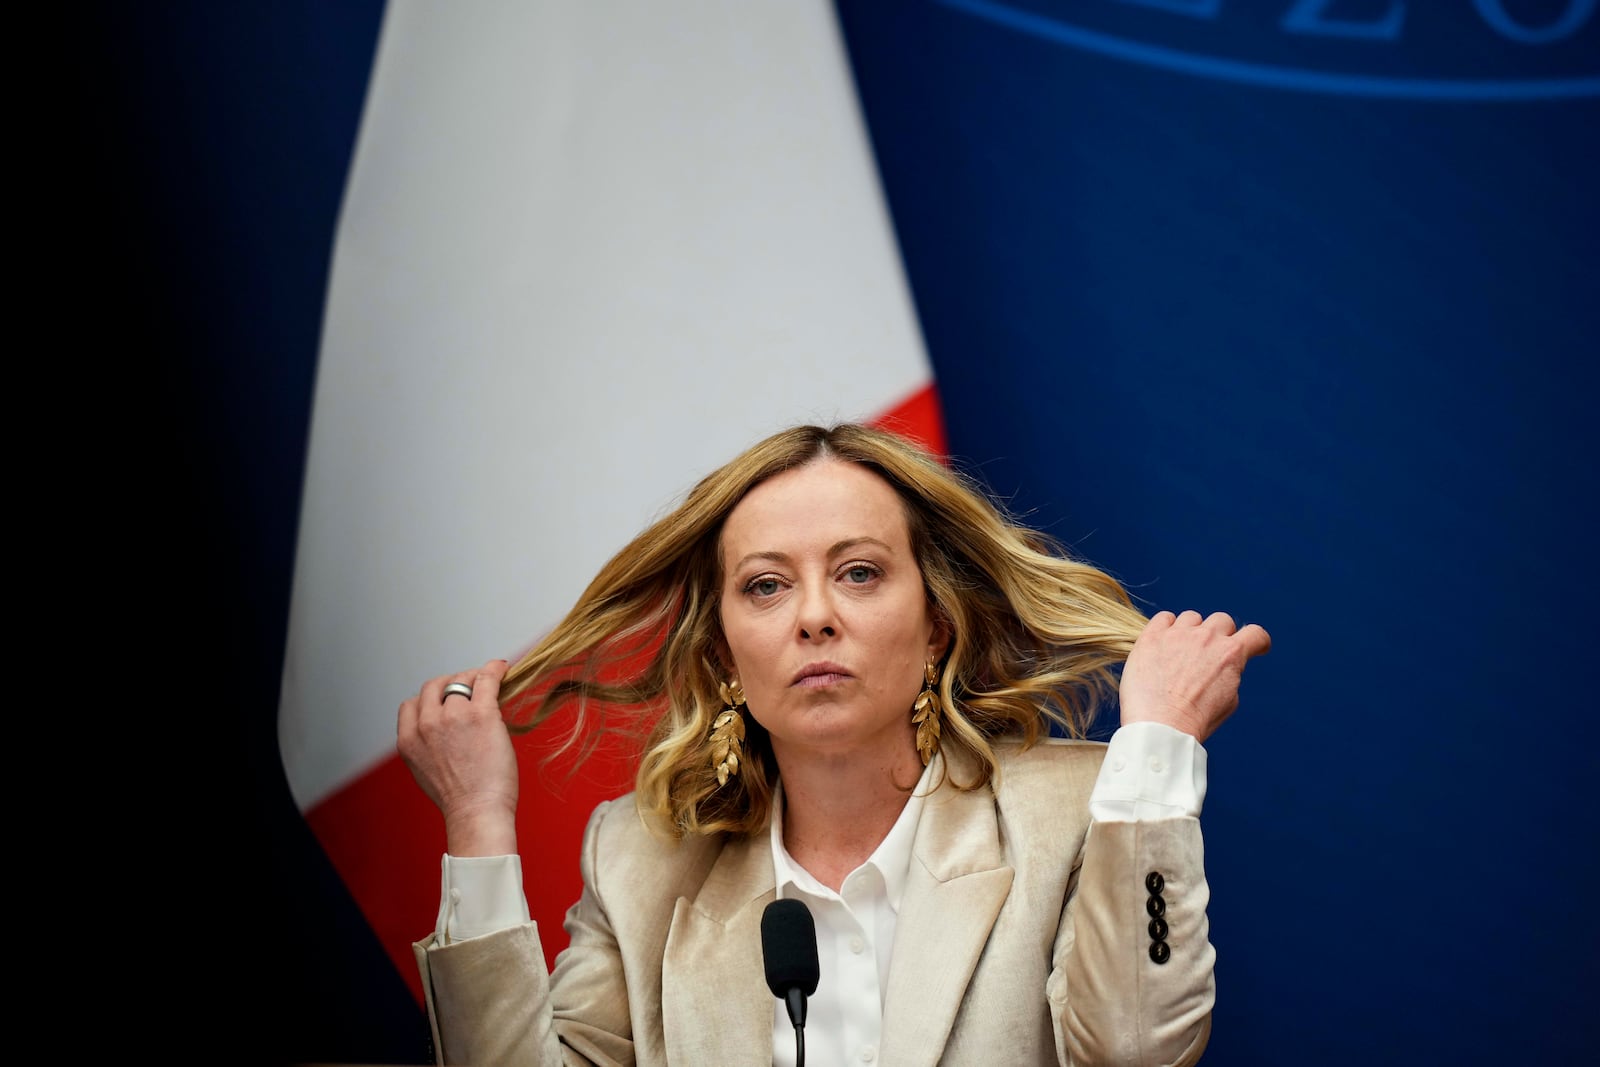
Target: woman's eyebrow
769,555
854,542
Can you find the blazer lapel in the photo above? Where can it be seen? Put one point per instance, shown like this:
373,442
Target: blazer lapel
716,1007
956,885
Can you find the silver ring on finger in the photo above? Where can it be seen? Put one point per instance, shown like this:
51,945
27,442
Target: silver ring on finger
457,689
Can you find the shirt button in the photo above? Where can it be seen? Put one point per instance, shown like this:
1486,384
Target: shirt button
455,896
856,945
1156,766
1118,763
868,1054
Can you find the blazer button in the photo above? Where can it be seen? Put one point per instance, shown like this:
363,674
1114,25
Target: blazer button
1156,907
1159,952
1154,882
1158,929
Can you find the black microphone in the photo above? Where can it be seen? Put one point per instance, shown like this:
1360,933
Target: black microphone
789,948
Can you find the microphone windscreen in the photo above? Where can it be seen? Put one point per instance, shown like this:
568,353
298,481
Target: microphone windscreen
789,948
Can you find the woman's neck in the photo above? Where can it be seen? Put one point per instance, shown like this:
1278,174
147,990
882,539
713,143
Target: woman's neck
838,810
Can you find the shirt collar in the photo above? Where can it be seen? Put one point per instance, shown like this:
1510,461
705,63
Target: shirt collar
891,859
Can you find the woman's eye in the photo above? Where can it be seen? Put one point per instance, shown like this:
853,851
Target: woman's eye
860,574
762,587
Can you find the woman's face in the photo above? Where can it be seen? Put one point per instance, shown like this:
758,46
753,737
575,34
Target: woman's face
824,612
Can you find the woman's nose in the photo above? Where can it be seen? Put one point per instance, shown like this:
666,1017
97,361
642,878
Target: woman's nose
816,613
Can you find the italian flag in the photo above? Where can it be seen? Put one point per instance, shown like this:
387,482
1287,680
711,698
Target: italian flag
586,254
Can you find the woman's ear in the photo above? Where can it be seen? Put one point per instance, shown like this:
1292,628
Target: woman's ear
723,663
939,639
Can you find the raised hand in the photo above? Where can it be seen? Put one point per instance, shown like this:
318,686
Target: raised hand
1184,670
460,753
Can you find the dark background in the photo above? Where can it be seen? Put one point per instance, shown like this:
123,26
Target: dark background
1323,360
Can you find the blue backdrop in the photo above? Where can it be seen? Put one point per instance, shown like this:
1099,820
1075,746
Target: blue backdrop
1292,312
1289,312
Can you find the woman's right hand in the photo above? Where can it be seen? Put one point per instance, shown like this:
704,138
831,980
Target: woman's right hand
460,753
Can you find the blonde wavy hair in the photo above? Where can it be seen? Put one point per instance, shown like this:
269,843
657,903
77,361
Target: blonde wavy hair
1036,635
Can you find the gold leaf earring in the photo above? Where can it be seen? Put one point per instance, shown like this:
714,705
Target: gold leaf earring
925,713
727,733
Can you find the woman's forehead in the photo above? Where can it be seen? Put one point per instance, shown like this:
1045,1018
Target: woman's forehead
824,502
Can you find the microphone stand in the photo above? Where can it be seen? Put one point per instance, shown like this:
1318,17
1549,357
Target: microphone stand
795,1001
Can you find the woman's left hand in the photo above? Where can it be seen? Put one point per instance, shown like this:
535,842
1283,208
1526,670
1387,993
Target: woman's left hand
1184,671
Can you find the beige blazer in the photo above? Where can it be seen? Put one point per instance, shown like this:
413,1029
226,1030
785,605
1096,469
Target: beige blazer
1023,937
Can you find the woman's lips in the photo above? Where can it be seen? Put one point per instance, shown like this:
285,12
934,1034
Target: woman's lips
817,675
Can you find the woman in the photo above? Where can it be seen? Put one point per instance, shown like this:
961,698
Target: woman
851,661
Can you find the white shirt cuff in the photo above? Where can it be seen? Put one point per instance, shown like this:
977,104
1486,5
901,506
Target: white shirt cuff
479,895
1151,771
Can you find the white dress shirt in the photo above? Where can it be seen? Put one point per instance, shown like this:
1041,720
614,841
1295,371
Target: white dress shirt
855,939
1151,772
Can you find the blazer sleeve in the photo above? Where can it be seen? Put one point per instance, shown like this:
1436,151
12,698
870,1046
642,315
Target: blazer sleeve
490,999
1132,979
